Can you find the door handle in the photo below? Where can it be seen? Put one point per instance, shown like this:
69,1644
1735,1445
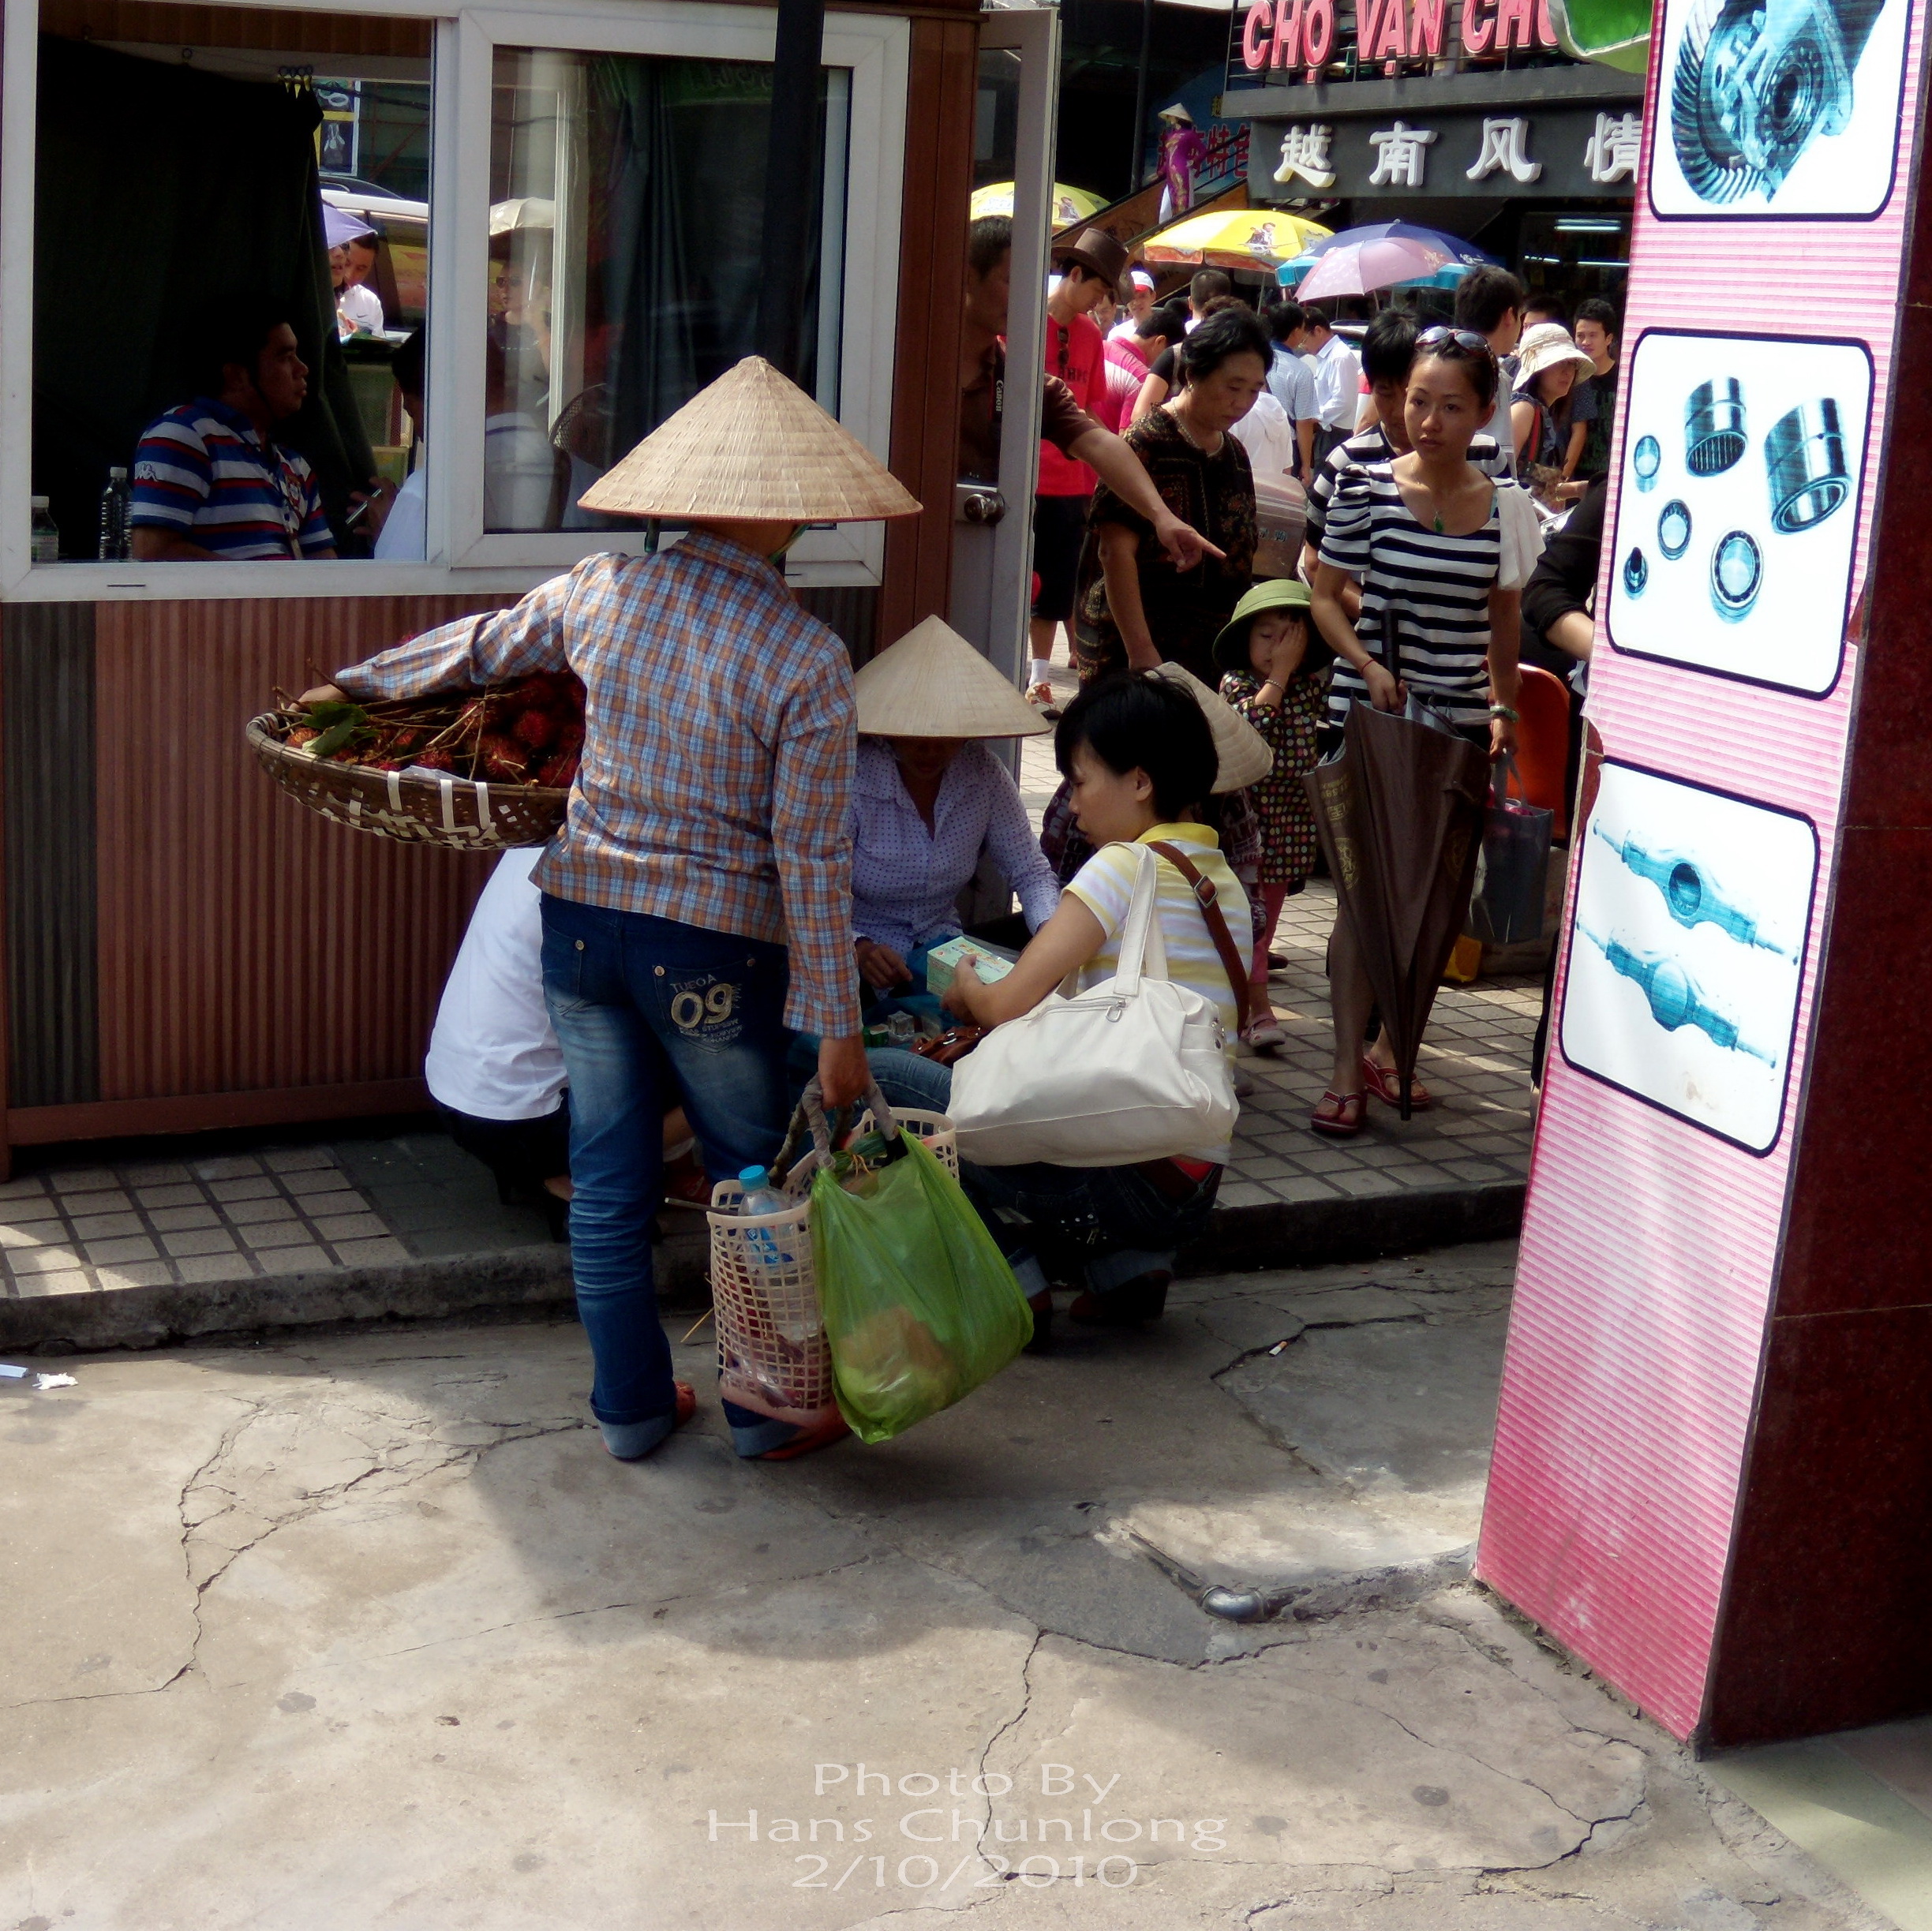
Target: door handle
977,505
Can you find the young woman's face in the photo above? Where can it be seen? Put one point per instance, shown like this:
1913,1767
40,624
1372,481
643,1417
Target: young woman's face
1220,399
1109,805
1442,413
1555,383
1267,635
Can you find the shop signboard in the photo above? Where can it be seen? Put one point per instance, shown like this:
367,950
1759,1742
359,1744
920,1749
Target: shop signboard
1730,618
1578,153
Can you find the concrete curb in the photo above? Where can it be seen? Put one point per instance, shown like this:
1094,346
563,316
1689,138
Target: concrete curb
523,1282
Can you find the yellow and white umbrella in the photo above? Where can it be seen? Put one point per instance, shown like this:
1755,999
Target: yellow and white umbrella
1242,237
1070,204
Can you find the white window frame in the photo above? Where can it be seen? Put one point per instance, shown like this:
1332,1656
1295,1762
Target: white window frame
873,49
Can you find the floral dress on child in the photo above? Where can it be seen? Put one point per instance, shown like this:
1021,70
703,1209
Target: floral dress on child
1280,801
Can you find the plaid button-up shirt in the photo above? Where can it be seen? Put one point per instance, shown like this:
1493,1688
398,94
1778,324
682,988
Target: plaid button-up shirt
719,738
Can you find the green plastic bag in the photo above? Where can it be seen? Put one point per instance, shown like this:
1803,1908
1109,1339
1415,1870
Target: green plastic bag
920,1306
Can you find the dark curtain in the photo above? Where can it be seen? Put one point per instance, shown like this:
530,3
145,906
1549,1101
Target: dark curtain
683,206
161,194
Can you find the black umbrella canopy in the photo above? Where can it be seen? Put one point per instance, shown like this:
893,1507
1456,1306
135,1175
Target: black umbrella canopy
1399,813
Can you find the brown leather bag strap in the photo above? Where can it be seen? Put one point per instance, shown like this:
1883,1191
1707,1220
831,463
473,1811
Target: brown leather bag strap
1207,898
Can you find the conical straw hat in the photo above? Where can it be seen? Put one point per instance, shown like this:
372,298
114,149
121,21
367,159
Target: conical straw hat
932,683
1244,756
754,446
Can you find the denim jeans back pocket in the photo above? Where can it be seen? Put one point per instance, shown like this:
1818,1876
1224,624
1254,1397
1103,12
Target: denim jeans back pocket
705,1009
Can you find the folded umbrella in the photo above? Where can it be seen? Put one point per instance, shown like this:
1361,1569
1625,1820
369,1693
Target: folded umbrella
1399,813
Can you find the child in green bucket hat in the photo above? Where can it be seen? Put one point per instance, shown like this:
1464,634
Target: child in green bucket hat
1274,672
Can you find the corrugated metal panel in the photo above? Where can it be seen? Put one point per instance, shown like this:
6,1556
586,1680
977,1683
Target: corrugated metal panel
243,942
46,739
852,610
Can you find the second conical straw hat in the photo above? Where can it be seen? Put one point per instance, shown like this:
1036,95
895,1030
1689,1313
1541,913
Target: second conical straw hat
932,683
751,445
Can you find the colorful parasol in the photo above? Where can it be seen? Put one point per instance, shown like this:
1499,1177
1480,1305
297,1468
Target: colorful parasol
1242,237
1070,204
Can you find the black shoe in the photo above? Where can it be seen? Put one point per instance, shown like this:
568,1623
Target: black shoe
1133,1303
1042,1306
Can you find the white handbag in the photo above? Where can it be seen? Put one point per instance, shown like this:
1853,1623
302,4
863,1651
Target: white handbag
1135,1069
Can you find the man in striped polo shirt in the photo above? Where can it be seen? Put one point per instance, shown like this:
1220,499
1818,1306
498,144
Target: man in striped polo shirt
210,481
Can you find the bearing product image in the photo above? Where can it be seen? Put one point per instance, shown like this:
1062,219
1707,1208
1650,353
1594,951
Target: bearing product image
1714,427
1636,573
1754,85
1805,455
1674,529
1737,573
1646,459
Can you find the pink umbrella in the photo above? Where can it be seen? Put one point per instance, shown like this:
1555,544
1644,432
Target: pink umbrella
1355,267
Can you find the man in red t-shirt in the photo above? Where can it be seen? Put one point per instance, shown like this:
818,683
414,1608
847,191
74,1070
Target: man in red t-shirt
1091,266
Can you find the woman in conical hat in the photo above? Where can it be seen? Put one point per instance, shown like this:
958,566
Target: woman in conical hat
698,901
930,800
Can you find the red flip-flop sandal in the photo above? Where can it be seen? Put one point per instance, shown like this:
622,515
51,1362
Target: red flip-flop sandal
1387,1088
1341,1123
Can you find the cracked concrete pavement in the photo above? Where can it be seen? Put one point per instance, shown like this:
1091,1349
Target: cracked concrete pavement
367,1630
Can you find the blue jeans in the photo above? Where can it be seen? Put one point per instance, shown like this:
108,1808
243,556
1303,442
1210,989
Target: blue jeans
650,1014
1110,1223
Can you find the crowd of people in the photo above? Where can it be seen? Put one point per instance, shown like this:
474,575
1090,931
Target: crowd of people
762,856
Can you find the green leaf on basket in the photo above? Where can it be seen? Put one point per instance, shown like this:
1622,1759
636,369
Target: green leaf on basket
336,737
336,711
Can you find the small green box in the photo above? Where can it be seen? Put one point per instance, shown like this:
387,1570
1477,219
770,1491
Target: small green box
994,962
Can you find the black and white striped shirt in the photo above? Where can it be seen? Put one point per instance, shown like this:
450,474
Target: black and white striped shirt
1437,584
1372,445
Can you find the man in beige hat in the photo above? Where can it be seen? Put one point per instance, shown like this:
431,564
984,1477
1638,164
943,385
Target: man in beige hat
698,900
1090,265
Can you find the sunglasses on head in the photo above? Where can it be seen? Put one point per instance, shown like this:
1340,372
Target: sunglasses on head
1434,340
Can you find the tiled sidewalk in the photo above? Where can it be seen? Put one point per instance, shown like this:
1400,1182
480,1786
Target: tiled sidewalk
237,1217
337,1205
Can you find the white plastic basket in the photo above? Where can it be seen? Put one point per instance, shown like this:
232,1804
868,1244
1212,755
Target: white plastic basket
773,1355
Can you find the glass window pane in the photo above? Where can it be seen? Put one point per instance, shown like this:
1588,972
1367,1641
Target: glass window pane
626,208
192,185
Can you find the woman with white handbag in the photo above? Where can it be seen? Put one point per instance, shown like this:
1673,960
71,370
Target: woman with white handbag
1094,1119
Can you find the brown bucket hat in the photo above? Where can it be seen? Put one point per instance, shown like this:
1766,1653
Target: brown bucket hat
1096,251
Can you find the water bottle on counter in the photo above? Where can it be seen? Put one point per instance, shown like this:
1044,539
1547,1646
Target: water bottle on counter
115,533
45,537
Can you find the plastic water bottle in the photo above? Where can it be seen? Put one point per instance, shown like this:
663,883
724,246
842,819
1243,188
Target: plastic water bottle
113,518
761,1197
770,1252
44,542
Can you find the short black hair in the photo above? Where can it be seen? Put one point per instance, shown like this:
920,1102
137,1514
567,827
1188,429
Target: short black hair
1483,376
1139,720
1389,346
1229,331
1168,322
237,335
1207,283
1550,307
986,240
1603,313
1484,296
406,364
1317,318
1285,319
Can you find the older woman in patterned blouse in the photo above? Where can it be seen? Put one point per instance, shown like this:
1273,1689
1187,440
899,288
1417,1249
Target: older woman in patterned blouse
930,799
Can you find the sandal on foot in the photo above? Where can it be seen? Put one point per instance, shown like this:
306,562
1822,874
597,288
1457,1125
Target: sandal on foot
1386,1084
820,1434
1039,693
1345,1121
1263,1035
633,1440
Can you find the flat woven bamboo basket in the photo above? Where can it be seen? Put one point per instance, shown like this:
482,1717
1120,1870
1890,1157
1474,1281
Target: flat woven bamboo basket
772,1355
464,814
